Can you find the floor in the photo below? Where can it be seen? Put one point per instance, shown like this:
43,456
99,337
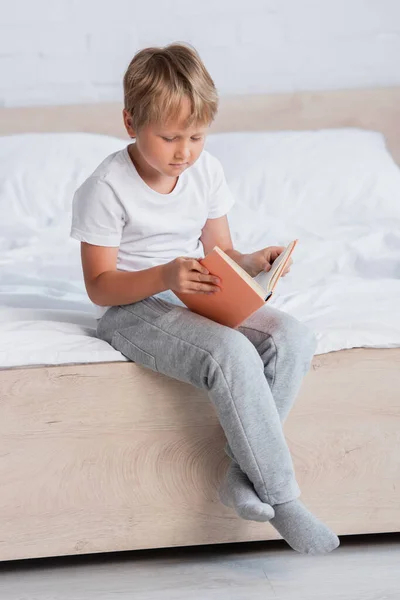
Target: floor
363,568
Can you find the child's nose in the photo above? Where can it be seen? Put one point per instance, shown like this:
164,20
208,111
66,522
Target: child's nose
183,152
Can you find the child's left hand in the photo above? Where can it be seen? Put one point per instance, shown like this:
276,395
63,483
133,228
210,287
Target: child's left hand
263,259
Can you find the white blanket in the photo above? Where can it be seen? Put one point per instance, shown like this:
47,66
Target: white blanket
338,192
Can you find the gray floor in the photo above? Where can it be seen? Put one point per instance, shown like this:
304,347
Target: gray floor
363,568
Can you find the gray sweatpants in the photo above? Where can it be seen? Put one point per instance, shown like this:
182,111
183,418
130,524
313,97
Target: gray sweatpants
252,375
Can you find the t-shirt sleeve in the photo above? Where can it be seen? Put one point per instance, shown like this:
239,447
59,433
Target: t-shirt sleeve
221,198
98,216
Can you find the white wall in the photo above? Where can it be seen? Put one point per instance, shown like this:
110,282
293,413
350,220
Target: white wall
70,51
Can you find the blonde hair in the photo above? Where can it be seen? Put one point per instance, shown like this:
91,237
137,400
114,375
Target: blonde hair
156,81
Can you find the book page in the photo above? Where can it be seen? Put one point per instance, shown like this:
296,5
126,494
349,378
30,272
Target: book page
268,279
244,275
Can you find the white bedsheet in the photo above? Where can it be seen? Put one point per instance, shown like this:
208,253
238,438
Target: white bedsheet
344,284
46,318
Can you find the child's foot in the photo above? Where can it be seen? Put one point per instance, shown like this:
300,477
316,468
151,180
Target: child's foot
302,531
238,492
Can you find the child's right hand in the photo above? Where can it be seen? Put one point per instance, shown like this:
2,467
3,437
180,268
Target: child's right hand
188,276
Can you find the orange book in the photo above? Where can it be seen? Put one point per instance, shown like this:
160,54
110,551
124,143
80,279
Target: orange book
241,295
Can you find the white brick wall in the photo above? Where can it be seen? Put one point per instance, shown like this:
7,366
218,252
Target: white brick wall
70,51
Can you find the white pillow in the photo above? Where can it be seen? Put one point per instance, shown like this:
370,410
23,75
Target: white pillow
39,174
300,180
314,181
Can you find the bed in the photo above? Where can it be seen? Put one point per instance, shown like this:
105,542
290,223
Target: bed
98,454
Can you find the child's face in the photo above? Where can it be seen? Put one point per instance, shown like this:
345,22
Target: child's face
171,148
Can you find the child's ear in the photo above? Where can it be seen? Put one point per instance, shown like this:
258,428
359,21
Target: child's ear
128,123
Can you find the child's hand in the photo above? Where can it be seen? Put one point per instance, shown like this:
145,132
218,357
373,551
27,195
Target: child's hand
263,259
187,275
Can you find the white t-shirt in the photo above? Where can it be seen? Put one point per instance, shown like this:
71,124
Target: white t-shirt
115,207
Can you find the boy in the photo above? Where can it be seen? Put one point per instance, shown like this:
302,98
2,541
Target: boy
145,217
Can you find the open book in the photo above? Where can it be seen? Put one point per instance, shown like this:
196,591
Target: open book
241,295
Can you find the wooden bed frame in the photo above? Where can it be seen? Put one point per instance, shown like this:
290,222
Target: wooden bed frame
108,457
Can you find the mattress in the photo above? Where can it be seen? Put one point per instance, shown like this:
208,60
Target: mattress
46,317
